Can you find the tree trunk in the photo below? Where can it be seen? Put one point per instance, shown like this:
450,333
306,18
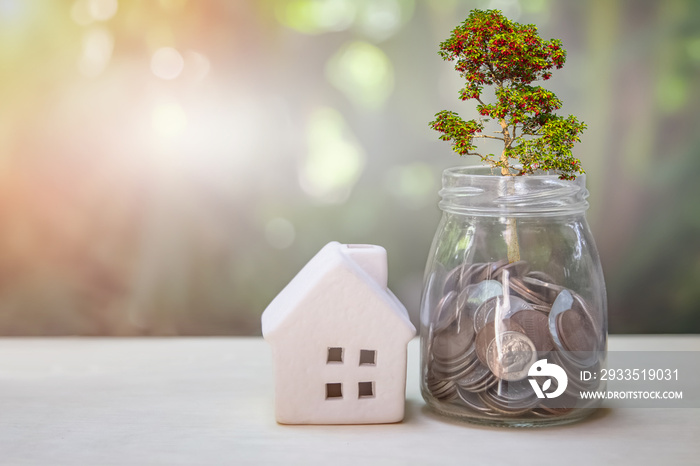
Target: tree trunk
511,233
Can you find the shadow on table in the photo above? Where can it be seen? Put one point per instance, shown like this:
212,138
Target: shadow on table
414,411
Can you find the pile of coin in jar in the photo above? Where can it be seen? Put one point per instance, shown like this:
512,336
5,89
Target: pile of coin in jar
492,323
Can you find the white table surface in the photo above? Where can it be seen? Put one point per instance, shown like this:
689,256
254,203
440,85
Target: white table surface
97,401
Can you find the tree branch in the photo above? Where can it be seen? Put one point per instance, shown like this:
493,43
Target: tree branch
488,137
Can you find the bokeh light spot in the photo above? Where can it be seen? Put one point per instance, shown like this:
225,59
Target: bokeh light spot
84,12
80,12
280,233
98,43
198,64
693,48
363,73
168,120
102,10
534,6
412,184
381,19
671,92
335,159
167,63
316,16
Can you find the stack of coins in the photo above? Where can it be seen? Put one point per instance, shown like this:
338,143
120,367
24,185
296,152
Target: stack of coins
492,322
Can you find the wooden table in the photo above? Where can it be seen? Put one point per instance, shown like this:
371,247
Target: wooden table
99,401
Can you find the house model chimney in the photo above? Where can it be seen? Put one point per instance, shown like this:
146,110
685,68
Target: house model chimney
372,259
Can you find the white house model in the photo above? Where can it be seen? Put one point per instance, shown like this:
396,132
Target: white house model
339,338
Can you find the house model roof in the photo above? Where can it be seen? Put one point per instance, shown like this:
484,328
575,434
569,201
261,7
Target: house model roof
366,262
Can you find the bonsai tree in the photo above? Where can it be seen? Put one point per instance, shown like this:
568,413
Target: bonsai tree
490,50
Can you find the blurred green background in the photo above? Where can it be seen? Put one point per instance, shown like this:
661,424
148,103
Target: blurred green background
166,167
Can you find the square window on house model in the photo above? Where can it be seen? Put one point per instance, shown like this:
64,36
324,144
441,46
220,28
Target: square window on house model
365,389
334,390
368,357
335,354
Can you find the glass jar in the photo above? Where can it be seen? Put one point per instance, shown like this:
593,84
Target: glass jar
514,311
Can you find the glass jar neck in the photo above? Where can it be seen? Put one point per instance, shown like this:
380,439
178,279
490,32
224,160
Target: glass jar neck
482,191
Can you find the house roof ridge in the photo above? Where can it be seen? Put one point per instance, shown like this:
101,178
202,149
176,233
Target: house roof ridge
328,257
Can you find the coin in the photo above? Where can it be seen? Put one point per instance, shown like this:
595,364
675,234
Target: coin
442,389
491,268
501,307
545,290
510,397
488,333
540,276
470,365
473,401
471,273
559,405
475,377
457,369
472,296
576,331
515,269
446,311
452,280
482,313
453,342
515,394
510,355
536,326
519,287
487,383
562,303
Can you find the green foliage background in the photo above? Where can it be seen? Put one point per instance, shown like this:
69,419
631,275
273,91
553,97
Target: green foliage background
133,205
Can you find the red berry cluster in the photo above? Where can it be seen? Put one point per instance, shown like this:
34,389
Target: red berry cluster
490,49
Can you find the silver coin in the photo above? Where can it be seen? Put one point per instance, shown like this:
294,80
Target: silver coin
474,378
547,291
453,342
452,280
487,383
442,389
446,311
566,301
510,356
519,287
456,370
536,274
472,296
515,269
463,371
473,401
514,395
471,273
489,273
486,335
498,307
504,408
545,308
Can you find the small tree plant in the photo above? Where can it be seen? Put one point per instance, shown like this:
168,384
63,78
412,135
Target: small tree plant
490,50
